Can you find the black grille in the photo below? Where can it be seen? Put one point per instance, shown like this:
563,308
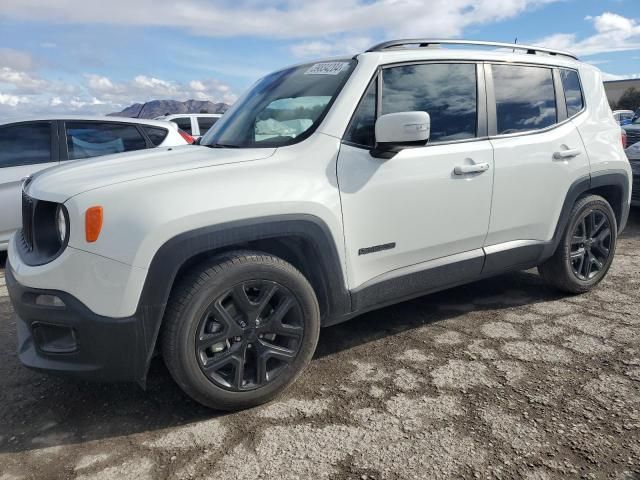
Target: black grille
27,221
633,136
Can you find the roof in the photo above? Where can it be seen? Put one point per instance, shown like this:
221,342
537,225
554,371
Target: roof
175,115
100,118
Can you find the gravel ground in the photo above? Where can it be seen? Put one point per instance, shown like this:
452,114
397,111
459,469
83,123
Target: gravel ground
503,378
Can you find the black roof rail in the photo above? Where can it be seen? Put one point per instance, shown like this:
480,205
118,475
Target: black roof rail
422,43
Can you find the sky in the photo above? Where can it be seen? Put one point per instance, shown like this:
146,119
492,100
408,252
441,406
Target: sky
99,56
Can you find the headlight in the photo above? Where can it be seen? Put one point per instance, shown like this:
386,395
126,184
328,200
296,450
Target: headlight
62,224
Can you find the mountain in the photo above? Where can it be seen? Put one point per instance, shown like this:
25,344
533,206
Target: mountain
156,108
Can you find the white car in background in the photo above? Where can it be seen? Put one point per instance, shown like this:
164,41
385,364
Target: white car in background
195,124
30,145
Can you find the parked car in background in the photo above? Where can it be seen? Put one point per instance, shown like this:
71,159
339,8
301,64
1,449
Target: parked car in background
623,117
633,154
30,145
195,124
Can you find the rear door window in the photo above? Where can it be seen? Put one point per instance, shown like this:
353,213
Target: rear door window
25,144
156,134
205,123
184,123
572,91
525,98
94,139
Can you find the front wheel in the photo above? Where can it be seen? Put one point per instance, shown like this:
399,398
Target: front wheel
586,249
240,329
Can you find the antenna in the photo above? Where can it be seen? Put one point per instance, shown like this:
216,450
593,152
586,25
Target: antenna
141,109
515,42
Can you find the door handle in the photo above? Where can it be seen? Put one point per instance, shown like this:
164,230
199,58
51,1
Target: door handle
473,168
564,154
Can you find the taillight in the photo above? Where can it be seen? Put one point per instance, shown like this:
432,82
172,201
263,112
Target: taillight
190,140
624,139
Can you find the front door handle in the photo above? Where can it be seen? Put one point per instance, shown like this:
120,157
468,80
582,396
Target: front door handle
472,168
565,154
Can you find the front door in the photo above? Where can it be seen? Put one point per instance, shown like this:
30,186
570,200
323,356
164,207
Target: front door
413,211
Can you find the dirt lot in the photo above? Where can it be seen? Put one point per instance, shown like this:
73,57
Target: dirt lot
503,378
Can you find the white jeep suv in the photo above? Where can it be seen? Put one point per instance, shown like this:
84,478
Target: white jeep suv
328,190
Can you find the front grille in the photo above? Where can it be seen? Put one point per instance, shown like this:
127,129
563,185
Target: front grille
633,136
27,221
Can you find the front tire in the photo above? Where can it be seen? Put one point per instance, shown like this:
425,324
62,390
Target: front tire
586,249
240,329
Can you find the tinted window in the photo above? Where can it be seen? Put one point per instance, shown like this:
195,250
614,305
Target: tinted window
184,123
525,98
156,134
572,91
205,123
362,128
447,92
93,139
25,144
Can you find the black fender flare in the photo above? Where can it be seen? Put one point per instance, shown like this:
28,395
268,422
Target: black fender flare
175,252
609,178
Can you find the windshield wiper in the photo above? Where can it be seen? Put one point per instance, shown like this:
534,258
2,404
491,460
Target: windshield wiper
221,145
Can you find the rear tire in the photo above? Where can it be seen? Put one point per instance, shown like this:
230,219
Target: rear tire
240,329
586,249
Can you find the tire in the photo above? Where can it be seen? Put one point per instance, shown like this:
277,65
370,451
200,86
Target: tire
259,314
571,276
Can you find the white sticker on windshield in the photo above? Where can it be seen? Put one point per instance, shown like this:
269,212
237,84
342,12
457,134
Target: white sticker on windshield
327,68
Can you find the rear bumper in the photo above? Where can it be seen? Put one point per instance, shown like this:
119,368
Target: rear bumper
71,340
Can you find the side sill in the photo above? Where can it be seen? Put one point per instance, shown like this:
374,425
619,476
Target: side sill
415,280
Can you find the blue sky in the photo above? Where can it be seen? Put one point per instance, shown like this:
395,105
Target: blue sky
100,56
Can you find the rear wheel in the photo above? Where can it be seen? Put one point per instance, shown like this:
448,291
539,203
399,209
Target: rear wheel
586,249
240,329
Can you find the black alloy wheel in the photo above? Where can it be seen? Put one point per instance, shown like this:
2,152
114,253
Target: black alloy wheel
590,245
249,334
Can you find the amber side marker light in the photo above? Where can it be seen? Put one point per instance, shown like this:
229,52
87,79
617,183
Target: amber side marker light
93,223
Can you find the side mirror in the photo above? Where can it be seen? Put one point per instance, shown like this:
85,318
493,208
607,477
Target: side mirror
396,131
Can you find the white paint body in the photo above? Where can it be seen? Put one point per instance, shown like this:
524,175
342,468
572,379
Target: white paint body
413,199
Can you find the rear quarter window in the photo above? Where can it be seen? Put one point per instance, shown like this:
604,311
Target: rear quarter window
156,134
572,91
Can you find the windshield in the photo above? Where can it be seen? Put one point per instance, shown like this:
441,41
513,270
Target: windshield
283,108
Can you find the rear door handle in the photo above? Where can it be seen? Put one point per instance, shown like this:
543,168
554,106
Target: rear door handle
564,154
473,168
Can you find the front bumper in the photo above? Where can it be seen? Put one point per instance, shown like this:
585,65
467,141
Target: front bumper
72,340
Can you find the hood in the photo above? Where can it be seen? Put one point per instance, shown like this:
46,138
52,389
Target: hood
59,183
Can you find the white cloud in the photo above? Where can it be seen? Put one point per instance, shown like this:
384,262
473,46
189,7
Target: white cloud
11,100
335,47
278,18
15,59
613,33
612,76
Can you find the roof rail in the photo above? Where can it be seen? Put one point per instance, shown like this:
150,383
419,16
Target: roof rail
422,42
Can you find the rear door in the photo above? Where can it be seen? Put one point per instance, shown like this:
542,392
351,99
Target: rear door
25,148
538,152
